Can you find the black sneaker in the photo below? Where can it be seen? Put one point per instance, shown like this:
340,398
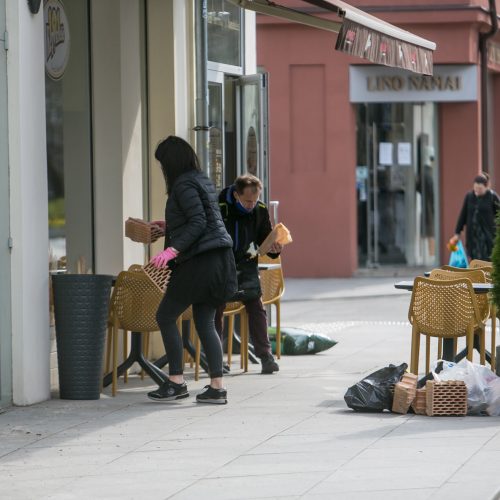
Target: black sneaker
169,391
226,368
269,364
213,396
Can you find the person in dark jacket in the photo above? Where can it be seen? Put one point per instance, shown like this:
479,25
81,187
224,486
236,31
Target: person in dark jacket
247,221
478,215
198,251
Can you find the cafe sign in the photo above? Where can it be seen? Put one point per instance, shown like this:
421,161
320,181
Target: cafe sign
57,40
450,83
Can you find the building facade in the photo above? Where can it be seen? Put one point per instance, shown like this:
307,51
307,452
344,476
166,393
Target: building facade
371,164
89,88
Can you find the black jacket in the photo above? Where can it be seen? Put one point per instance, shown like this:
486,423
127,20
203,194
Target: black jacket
479,212
193,219
245,229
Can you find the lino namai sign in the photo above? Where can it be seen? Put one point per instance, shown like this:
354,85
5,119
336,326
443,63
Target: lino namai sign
449,83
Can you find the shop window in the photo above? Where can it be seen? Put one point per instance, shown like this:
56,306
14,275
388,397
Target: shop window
224,32
68,126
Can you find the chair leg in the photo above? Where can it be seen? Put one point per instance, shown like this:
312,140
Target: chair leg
482,345
197,355
109,341
230,334
145,350
427,353
493,337
115,360
415,349
278,330
125,353
244,341
440,348
455,347
192,336
470,343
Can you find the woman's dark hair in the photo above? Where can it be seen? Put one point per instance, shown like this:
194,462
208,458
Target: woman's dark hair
176,157
482,178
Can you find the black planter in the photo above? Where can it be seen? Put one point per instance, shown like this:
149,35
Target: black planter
81,306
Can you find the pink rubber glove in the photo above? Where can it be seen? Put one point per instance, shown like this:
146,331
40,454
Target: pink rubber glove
161,259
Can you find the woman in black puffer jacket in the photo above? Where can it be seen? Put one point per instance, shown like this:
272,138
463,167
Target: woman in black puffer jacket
198,249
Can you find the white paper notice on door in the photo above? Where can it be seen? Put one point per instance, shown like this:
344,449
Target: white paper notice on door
404,153
385,153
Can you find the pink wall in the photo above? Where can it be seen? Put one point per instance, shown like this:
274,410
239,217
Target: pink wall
496,130
312,149
460,161
312,135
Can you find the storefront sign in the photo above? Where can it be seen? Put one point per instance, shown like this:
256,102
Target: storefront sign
451,83
57,41
494,54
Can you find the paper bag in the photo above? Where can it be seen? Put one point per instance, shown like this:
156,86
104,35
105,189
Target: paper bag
280,234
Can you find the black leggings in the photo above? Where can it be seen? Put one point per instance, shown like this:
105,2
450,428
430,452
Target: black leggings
203,314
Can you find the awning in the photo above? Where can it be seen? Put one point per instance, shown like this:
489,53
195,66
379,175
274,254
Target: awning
359,34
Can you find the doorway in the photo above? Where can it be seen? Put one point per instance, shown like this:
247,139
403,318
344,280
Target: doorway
238,137
397,177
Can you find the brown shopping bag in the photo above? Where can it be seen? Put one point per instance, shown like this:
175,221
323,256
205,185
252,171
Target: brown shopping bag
280,234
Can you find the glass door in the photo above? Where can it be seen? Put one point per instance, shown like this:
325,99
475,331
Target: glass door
397,184
252,112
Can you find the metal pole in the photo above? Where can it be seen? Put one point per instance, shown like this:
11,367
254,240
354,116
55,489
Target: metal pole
201,44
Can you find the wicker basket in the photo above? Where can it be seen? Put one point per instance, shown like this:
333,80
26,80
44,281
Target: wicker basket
158,275
142,231
446,398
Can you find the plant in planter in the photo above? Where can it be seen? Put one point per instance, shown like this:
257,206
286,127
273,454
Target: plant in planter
495,260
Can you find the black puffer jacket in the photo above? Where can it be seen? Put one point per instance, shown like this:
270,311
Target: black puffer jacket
193,219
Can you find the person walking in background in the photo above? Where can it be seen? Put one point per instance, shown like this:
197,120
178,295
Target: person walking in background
247,221
198,249
478,215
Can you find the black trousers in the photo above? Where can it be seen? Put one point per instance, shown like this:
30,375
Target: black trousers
168,312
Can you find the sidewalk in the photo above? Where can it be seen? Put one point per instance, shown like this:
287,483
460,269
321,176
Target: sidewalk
287,435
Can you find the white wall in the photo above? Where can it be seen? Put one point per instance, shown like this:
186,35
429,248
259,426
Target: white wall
250,43
117,120
28,190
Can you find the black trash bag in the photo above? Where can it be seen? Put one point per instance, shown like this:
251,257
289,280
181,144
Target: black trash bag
376,391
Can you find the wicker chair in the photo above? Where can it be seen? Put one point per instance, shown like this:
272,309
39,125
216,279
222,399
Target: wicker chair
487,269
134,302
443,309
475,263
273,287
231,310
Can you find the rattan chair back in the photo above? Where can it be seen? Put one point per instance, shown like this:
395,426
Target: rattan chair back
134,302
475,263
443,308
475,275
271,281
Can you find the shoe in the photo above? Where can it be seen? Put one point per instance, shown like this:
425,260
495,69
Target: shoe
269,364
213,396
169,391
226,368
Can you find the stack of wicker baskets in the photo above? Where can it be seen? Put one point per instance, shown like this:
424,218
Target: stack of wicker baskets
142,231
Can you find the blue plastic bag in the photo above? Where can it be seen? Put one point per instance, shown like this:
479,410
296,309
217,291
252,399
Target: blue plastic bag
458,258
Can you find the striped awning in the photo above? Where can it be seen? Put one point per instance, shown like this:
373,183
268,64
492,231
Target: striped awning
359,34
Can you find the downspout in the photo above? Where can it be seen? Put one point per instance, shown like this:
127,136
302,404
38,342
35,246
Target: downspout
201,58
483,51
